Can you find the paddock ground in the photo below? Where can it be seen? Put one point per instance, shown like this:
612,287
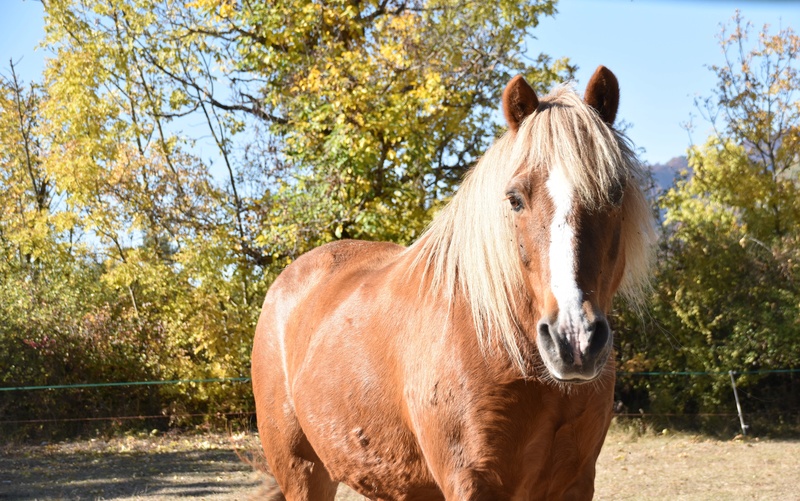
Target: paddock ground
632,466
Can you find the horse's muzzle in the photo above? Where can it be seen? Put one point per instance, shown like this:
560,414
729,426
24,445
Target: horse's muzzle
575,353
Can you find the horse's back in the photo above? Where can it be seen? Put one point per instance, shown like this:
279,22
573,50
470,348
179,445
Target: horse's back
305,289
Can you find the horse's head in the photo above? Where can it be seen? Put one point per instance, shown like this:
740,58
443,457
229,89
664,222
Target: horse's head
576,207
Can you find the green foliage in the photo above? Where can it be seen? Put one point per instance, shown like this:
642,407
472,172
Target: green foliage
178,155
726,290
379,107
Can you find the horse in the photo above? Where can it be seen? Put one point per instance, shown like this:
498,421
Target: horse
475,364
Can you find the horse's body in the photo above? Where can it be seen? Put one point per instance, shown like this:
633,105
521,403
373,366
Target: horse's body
448,369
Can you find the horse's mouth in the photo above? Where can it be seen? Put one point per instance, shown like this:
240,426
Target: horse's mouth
575,380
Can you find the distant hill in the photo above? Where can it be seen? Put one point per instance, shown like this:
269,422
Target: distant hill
665,174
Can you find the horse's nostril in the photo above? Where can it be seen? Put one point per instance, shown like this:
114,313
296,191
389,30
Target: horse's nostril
544,329
599,336
546,338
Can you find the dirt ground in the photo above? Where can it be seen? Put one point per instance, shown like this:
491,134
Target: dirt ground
688,467
210,466
134,467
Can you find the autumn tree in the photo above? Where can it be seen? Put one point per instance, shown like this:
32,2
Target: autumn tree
727,295
343,119
187,151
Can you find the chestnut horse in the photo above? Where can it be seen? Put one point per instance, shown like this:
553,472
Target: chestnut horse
474,364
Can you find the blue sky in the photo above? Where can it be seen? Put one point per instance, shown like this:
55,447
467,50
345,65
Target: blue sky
21,29
657,48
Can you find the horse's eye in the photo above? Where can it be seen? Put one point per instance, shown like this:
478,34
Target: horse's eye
515,201
617,192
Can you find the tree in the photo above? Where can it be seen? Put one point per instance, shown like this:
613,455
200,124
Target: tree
189,151
727,295
342,119
377,108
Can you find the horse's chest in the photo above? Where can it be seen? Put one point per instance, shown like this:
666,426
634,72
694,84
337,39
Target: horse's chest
392,468
380,459
358,431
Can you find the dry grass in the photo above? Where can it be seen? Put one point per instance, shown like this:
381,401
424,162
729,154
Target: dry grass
670,466
690,467
169,467
175,467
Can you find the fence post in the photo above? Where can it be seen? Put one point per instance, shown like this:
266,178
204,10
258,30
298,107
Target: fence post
738,406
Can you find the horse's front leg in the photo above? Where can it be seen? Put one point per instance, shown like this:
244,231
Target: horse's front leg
475,486
472,485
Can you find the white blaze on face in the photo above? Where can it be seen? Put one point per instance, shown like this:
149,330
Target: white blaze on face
571,321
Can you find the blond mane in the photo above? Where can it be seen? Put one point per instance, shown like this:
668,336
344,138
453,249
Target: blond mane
470,245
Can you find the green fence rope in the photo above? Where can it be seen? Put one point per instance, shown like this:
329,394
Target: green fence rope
247,379
710,373
127,383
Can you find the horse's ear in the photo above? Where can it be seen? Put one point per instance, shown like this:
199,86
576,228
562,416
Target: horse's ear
602,94
519,101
